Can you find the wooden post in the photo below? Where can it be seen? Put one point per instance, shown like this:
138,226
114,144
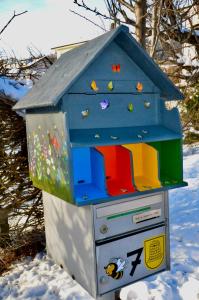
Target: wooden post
110,296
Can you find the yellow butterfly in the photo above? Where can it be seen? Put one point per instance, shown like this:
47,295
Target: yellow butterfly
94,86
110,86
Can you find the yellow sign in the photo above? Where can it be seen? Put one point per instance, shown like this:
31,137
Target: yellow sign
154,251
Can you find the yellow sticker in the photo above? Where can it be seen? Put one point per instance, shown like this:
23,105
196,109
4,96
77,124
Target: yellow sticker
154,251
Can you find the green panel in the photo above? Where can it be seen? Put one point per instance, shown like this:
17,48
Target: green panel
170,161
48,154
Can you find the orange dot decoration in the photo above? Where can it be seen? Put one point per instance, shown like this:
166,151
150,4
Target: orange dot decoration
139,87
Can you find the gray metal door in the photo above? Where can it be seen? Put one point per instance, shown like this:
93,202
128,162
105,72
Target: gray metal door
127,259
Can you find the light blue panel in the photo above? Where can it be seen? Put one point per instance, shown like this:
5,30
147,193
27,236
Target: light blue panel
101,70
81,165
117,115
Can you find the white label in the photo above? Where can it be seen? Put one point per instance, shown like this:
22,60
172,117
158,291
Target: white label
147,215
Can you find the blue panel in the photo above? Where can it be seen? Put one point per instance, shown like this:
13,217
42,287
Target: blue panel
101,71
81,165
119,86
145,62
171,118
165,188
117,115
98,171
89,175
118,136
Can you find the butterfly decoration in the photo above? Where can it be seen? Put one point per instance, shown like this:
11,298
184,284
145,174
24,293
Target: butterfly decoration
130,107
85,113
94,86
104,104
139,87
116,68
110,86
147,104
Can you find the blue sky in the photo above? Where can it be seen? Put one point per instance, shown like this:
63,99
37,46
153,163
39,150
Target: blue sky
47,24
9,5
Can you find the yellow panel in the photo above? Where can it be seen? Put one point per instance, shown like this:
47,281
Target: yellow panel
145,166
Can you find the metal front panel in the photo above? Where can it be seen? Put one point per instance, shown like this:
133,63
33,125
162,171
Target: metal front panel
125,216
126,260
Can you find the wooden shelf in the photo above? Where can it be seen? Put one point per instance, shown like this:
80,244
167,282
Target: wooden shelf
118,136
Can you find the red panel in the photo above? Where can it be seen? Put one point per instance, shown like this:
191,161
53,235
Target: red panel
118,170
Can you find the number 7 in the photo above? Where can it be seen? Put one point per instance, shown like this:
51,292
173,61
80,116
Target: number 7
137,261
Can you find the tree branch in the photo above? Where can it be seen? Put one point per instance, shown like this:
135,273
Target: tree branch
11,19
97,13
74,12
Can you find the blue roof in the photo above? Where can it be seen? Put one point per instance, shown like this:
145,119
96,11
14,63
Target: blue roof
68,68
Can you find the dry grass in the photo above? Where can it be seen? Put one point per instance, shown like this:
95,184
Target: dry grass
28,245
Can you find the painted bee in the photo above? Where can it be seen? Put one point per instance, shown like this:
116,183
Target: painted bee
115,268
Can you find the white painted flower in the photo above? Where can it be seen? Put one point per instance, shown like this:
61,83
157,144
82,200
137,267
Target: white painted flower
48,161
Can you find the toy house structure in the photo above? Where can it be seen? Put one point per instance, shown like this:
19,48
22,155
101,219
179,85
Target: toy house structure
100,137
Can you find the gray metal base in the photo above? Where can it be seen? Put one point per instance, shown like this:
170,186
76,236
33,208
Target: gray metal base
85,240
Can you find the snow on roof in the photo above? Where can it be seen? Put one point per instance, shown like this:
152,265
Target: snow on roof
14,89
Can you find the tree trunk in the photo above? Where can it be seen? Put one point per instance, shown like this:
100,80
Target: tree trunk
140,14
4,226
154,25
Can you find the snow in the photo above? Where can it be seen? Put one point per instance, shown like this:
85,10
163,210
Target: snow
187,58
41,279
13,88
187,30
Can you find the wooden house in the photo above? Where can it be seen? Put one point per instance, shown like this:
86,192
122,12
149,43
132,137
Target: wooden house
97,125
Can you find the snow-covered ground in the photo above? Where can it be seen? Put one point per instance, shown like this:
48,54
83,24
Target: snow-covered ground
40,279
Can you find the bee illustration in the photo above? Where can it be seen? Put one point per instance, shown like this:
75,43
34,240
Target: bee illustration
115,268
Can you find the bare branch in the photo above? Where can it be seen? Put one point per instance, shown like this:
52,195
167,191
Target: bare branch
74,12
11,19
97,13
